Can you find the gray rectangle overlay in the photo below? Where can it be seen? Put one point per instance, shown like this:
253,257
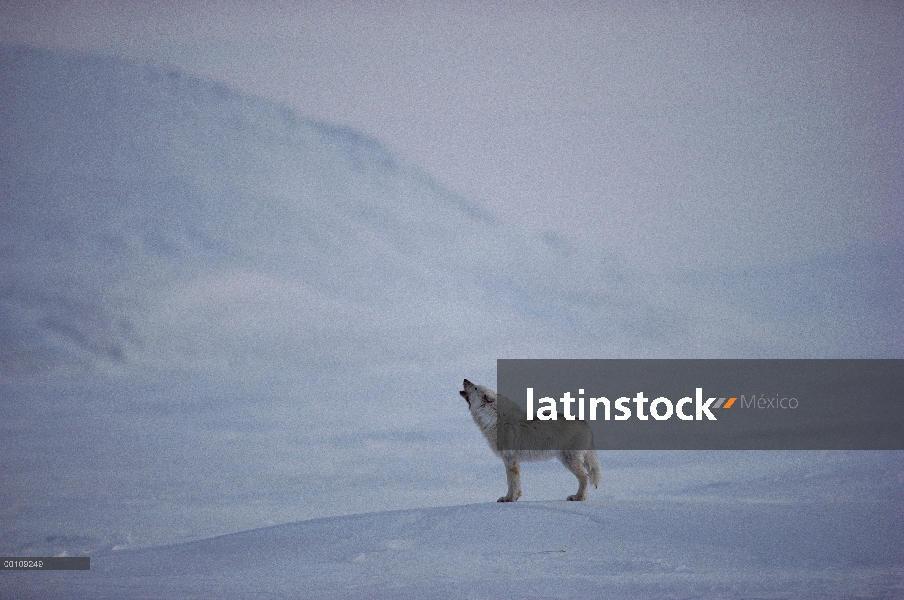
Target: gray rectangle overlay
45,563
705,404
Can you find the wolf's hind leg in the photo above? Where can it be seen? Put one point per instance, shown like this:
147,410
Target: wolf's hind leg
513,475
574,462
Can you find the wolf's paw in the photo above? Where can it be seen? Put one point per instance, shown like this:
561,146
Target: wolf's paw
576,498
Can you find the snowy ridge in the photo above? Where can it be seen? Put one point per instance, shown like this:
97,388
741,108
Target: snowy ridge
146,178
527,550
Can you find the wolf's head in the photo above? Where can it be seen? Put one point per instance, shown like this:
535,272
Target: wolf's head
481,402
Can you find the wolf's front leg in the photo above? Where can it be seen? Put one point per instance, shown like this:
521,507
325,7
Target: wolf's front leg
513,474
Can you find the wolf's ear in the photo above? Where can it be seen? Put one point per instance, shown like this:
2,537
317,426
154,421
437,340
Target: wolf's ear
488,400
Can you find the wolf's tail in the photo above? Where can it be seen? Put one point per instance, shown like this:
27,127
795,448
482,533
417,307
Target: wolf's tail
594,468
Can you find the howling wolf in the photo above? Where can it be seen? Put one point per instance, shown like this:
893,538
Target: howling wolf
484,405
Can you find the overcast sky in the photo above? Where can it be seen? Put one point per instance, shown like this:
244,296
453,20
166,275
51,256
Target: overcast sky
692,135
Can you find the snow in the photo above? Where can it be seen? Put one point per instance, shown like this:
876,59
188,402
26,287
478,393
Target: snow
600,548
231,341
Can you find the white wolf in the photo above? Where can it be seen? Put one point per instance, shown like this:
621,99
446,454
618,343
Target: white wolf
484,406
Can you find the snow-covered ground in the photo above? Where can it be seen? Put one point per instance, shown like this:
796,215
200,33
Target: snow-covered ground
218,318
719,525
600,549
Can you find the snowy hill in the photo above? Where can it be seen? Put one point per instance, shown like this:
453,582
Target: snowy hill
649,549
138,182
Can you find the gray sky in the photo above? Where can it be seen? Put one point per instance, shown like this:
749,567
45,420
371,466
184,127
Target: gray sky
692,135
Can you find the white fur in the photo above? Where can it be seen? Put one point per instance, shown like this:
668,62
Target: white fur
484,406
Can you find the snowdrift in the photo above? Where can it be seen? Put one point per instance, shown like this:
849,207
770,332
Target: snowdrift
643,549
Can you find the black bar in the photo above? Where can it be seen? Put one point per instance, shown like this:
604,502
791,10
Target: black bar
45,563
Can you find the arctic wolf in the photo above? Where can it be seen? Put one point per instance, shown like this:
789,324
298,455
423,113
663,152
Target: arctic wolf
485,405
